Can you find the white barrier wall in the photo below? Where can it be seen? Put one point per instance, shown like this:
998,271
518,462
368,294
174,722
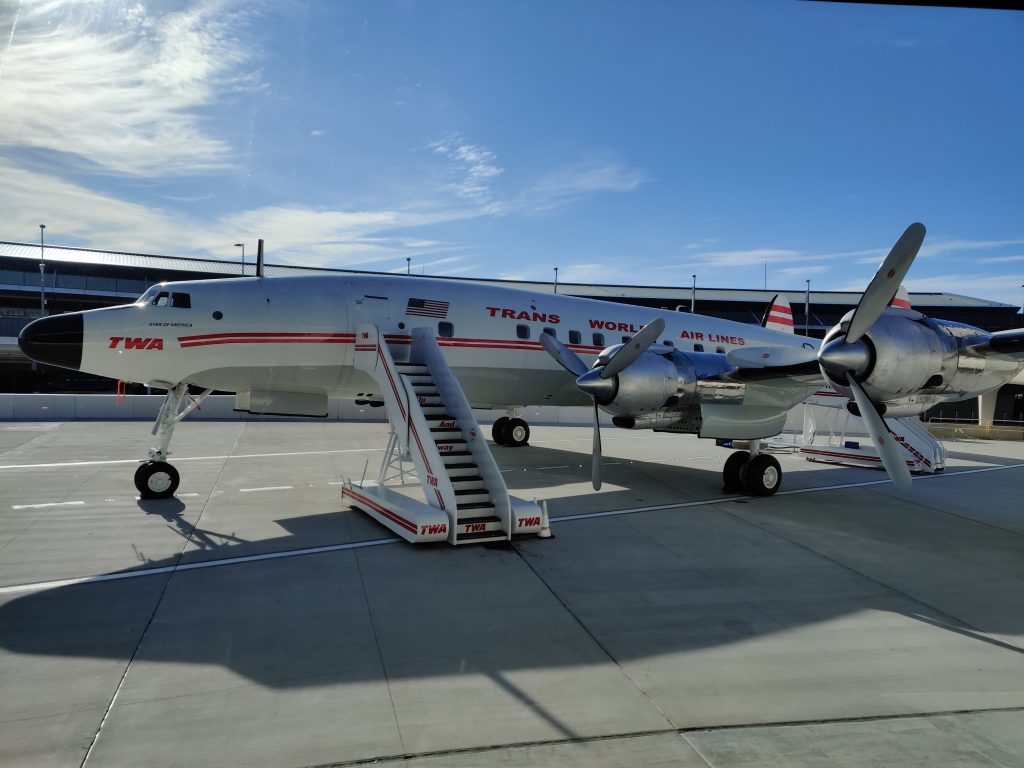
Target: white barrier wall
221,408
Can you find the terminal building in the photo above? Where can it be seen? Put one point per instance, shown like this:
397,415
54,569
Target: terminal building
37,281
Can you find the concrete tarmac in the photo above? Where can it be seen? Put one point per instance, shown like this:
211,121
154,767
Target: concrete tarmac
256,621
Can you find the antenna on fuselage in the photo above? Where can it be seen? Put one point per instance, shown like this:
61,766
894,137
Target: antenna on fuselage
259,258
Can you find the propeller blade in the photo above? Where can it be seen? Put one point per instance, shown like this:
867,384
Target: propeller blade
595,467
770,357
888,449
565,356
635,347
886,282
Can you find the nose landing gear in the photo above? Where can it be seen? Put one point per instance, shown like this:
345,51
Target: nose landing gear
156,479
753,472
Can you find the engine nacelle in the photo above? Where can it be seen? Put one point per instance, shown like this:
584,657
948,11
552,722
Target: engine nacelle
908,356
653,382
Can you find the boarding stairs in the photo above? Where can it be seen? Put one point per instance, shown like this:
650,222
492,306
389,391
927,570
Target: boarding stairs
433,428
832,434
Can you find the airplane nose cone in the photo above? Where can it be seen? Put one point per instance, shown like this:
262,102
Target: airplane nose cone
840,356
602,390
55,340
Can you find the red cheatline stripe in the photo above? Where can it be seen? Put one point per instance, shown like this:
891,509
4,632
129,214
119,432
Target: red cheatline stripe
780,320
211,342
243,334
391,381
378,508
365,347
439,499
782,309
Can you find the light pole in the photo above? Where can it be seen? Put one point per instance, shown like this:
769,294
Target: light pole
242,246
807,310
556,279
408,265
42,272
693,296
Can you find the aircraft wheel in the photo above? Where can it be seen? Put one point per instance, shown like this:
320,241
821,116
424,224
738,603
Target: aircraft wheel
156,480
764,475
498,430
733,473
517,433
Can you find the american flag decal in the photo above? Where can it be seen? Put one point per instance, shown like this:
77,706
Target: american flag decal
427,308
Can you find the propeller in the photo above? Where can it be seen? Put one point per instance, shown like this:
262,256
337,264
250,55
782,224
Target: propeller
597,382
888,450
848,356
886,282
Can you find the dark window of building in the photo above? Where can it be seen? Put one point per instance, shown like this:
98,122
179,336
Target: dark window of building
445,329
575,337
522,331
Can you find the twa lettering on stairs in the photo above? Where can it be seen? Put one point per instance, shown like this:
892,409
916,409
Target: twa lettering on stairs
433,427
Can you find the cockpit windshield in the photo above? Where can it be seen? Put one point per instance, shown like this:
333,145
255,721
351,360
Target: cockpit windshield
163,298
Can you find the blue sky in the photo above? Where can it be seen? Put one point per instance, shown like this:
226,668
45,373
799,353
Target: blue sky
622,142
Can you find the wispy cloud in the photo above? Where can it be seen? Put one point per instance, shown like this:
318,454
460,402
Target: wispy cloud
118,88
565,185
477,166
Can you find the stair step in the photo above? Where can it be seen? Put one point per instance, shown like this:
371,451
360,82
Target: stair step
479,519
489,524
448,447
458,471
470,495
446,433
420,379
479,538
440,417
475,505
463,480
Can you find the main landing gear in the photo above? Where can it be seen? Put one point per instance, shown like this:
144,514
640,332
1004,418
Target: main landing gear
511,431
752,472
156,479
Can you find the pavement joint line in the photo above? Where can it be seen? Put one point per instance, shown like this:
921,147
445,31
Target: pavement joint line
190,458
267,488
40,585
684,731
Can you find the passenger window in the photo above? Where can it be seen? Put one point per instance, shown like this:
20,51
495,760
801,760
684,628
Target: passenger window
181,300
550,332
720,350
575,337
598,339
668,343
625,339
698,347
522,331
445,329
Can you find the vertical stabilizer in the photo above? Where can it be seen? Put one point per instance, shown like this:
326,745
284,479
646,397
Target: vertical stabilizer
779,316
902,299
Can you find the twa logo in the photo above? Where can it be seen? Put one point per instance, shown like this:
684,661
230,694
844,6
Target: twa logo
526,522
429,530
475,527
128,342
432,480
913,451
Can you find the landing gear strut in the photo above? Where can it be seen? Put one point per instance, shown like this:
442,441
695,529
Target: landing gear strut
511,431
753,472
156,479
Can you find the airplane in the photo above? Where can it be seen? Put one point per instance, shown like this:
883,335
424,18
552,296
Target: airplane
284,345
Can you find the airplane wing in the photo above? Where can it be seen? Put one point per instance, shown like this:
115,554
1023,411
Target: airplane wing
1005,343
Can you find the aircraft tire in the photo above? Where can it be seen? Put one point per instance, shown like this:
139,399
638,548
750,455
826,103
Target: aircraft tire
764,475
156,480
498,430
517,433
733,474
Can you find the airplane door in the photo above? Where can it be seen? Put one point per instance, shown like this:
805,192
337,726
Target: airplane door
373,309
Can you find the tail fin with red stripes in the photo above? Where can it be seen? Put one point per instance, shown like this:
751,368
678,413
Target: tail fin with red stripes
902,299
779,316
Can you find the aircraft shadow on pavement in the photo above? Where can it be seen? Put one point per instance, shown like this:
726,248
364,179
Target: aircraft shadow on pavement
699,578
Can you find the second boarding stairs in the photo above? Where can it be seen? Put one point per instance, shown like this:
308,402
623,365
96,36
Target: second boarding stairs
433,428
